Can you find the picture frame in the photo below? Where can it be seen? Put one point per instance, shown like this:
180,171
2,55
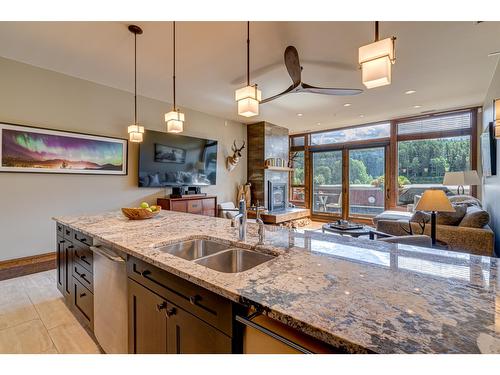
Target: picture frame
29,149
169,154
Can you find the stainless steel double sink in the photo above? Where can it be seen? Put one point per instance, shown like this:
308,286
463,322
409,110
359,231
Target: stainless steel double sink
217,255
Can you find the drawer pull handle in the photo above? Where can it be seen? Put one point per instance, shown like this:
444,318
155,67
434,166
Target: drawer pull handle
171,312
194,299
82,295
161,306
70,246
145,273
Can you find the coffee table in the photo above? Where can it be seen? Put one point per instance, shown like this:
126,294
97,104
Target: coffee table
348,232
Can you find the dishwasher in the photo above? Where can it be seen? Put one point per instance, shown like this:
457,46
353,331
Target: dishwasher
110,300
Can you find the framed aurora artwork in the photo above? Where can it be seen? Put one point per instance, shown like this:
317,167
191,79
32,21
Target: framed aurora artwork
38,150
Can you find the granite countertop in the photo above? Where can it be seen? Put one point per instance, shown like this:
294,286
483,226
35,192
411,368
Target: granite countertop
360,295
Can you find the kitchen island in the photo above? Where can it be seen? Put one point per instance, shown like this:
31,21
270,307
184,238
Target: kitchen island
356,295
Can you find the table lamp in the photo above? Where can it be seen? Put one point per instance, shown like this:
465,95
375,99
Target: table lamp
468,178
434,201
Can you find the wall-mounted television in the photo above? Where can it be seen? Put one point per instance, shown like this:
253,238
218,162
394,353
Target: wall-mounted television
167,159
489,151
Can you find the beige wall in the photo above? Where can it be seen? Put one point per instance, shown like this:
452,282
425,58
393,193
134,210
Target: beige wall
38,97
491,187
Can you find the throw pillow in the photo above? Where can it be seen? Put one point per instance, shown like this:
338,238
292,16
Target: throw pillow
468,200
443,218
475,218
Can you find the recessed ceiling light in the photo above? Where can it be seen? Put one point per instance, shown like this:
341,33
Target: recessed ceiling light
409,92
300,114
318,123
361,115
347,104
417,106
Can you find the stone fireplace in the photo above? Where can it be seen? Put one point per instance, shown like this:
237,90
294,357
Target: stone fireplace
265,141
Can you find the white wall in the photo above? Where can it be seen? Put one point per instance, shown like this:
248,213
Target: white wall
491,187
38,97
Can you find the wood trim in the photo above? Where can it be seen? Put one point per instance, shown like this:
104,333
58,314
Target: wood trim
27,265
474,146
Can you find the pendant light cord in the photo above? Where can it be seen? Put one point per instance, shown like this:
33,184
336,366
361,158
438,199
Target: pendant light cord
248,53
376,31
135,78
175,106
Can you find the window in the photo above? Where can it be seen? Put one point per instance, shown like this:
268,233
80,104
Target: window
427,149
359,133
298,141
297,178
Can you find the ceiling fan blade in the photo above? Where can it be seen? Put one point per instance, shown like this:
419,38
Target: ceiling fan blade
304,87
288,90
292,64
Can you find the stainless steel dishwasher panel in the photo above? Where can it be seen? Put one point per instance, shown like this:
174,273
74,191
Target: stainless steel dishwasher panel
110,301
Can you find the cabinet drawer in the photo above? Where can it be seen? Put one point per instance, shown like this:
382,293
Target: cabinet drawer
60,229
84,276
67,233
84,256
208,306
209,212
83,238
83,302
179,206
194,206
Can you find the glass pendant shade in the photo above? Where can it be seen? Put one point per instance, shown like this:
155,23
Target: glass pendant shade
175,121
376,60
135,133
248,99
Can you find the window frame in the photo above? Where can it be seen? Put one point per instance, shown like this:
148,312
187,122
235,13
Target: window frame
396,138
391,144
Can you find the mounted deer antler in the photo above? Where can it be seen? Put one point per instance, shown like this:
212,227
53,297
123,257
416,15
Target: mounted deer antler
233,160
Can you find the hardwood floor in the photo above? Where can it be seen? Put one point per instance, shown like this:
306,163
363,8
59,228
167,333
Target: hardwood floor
34,318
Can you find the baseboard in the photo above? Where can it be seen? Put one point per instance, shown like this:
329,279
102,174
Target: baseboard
27,265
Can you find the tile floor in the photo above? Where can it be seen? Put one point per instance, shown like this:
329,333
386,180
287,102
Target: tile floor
34,318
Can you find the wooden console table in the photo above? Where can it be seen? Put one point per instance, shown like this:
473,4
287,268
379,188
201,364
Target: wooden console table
196,204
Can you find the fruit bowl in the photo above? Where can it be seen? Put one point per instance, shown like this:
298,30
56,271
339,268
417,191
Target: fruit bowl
140,213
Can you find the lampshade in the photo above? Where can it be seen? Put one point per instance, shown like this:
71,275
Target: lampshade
434,200
248,99
135,133
175,121
461,178
376,59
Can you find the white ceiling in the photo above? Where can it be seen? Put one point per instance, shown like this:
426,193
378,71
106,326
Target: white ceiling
445,62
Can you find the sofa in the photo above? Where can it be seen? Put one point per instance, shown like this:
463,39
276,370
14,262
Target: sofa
470,234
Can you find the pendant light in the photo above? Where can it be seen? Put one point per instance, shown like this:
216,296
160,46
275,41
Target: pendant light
135,131
376,59
248,97
497,118
174,118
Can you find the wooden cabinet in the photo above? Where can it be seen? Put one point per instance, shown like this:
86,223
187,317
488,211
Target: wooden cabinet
199,204
171,315
74,272
60,263
187,334
147,323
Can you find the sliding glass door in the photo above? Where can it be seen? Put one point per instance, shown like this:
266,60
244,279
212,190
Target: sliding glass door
366,181
327,183
348,183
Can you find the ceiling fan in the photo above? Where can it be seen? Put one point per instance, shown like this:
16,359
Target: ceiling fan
294,69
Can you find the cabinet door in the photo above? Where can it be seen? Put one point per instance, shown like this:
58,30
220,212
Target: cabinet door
187,334
61,264
68,273
147,321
